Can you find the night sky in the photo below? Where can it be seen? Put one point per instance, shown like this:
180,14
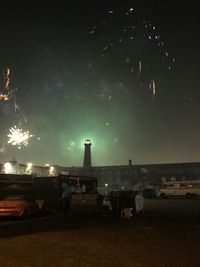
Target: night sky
124,74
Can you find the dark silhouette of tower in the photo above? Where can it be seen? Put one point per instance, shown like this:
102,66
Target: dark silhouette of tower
87,154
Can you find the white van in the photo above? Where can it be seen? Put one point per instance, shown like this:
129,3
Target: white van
189,189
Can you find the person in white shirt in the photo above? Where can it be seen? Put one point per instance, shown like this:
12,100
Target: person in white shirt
65,196
83,188
139,203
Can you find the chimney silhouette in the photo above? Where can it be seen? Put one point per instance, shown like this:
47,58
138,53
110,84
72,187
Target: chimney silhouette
87,154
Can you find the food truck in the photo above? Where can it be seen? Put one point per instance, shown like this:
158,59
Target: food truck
71,193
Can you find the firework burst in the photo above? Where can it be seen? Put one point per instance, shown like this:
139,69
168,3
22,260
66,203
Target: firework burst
18,137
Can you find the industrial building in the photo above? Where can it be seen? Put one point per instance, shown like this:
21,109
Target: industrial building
113,176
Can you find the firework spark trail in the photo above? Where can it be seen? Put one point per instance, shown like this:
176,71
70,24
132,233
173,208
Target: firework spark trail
16,107
8,91
2,149
153,88
139,69
7,84
18,137
7,95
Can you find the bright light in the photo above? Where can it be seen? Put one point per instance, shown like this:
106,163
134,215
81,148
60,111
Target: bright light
87,139
87,142
106,189
18,137
29,165
8,168
51,171
29,168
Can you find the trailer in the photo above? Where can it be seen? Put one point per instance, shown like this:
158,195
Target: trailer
70,193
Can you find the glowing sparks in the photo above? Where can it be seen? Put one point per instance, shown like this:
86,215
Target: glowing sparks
139,69
2,149
109,98
18,137
4,97
7,78
136,39
7,92
153,85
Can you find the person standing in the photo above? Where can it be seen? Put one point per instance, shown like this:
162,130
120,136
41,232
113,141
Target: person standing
65,196
83,188
139,203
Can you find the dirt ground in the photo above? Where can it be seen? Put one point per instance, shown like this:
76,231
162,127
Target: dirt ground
166,234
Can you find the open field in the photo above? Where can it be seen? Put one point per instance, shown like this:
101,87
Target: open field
167,234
